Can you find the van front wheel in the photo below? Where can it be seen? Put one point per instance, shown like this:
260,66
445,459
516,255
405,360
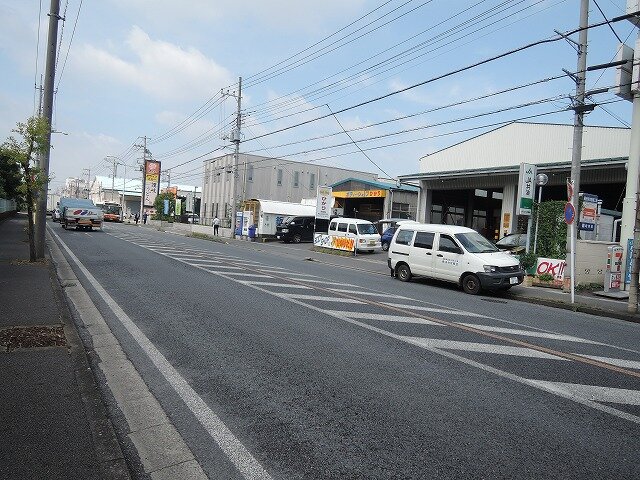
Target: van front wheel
403,272
471,284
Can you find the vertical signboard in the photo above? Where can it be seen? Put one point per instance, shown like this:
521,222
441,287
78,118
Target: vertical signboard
152,181
526,183
323,202
613,273
588,213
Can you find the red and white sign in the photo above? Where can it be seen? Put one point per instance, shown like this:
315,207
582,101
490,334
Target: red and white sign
323,202
552,266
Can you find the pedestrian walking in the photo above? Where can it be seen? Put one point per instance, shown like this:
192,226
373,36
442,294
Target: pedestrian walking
144,217
136,217
216,225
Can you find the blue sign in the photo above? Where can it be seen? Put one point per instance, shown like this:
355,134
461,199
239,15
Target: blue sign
569,213
166,206
629,262
587,227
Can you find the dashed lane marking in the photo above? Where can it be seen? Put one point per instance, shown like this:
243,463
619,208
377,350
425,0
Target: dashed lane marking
386,318
531,333
433,310
276,284
595,393
300,296
373,294
633,364
481,347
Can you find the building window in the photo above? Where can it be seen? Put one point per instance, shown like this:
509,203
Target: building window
296,179
400,210
312,181
279,177
250,173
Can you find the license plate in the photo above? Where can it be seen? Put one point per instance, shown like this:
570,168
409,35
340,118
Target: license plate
372,242
513,280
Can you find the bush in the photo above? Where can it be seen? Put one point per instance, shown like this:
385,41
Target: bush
528,260
545,277
552,231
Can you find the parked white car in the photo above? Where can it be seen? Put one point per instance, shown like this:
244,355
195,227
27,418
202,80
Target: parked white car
364,233
454,254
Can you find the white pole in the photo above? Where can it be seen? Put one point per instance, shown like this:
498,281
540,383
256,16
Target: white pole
535,237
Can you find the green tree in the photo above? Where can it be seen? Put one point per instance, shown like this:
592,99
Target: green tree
22,152
10,176
158,204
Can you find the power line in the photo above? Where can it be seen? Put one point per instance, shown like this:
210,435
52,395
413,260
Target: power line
73,32
448,74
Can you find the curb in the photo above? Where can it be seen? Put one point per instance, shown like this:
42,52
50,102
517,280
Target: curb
111,460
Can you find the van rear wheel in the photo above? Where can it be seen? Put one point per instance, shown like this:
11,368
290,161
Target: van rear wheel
297,238
403,272
471,284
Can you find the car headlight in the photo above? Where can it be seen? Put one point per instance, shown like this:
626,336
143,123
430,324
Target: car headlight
490,268
285,230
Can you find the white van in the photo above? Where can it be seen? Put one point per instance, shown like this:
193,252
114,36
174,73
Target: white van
455,254
364,233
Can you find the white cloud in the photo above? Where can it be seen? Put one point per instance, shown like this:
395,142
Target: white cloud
161,69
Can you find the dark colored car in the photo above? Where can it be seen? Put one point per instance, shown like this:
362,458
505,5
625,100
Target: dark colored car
514,242
387,233
296,229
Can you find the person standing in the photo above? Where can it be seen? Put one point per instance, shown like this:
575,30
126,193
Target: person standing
144,217
136,217
216,225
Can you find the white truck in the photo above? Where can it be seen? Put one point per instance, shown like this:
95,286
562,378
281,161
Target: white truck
80,213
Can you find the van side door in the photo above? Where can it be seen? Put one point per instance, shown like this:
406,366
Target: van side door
421,255
307,231
448,261
400,247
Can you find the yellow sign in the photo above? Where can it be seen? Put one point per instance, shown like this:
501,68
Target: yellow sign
360,194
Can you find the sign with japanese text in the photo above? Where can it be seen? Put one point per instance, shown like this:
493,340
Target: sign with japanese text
152,182
526,188
361,194
323,202
588,212
337,243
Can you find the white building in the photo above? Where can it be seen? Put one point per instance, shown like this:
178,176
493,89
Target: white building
126,192
265,178
474,183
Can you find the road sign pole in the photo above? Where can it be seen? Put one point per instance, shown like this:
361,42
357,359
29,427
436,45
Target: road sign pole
573,261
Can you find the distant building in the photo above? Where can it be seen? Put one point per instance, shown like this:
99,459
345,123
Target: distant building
265,178
126,192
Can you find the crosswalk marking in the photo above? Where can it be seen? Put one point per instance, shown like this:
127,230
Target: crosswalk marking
530,333
434,310
276,284
380,316
481,347
594,392
618,362
360,292
300,296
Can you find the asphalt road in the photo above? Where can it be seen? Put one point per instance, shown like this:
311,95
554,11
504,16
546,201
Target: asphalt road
323,371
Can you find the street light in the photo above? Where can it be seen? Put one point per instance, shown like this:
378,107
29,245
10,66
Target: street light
541,181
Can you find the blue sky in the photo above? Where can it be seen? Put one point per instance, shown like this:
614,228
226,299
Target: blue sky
141,67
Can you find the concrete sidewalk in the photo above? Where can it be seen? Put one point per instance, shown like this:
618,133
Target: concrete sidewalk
53,422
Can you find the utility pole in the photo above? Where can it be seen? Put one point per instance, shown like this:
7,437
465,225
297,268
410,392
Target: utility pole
235,138
87,172
576,154
144,173
50,72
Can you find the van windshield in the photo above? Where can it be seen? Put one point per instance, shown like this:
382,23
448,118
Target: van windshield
367,228
473,242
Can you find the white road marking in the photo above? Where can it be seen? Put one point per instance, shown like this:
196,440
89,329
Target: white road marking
387,318
530,333
481,347
618,362
434,310
300,274
324,282
301,296
237,453
252,275
215,266
275,284
595,393
373,294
